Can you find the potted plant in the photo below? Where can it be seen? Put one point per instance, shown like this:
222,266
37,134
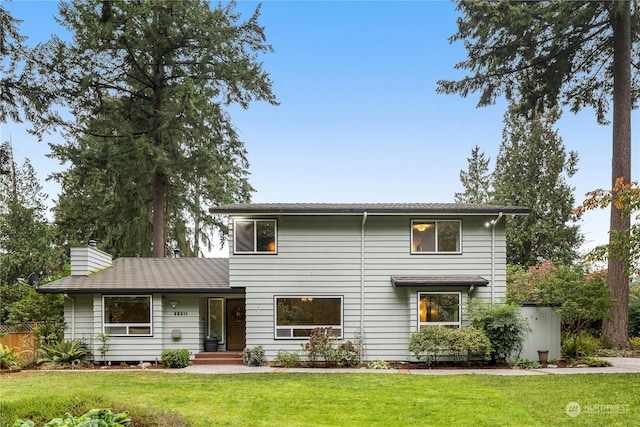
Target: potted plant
211,343
542,356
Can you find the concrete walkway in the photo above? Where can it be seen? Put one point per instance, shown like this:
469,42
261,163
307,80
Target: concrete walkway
621,365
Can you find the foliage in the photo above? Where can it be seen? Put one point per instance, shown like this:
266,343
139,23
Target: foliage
150,142
320,345
532,169
175,358
347,354
624,245
254,356
575,346
378,364
95,417
9,357
591,362
63,353
635,343
548,53
49,332
582,297
286,359
504,327
477,181
430,343
634,310
102,339
524,364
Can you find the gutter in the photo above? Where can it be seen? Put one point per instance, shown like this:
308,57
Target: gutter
493,255
362,280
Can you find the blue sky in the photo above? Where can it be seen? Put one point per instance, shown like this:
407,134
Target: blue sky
359,119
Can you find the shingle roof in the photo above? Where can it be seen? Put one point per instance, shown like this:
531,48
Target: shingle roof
134,275
369,208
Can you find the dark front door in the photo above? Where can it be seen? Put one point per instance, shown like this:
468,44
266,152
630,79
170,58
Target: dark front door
236,324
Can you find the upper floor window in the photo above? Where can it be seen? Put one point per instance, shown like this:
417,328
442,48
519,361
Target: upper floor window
254,236
435,236
127,315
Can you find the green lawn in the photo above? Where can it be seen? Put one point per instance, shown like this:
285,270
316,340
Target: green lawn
290,399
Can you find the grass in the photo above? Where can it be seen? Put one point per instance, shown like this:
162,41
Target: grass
290,399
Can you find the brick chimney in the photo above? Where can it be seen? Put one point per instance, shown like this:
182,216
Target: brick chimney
88,259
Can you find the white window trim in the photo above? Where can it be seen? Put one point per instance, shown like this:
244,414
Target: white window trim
458,323
276,328
255,236
128,325
436,252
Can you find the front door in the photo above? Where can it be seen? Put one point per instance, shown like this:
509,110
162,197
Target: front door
236,324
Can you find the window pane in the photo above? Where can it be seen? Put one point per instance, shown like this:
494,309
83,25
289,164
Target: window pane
244,236
439,308
448,236
127,310
424,237
266,236
308,311
216,318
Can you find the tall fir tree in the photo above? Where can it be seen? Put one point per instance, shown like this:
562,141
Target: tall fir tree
532,169
547,53
147,85
476,180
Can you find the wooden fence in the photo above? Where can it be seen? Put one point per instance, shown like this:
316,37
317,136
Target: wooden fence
24,341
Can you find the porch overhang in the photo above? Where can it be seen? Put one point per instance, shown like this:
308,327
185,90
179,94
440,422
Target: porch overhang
437,281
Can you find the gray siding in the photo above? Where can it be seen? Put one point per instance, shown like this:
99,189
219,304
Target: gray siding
321,255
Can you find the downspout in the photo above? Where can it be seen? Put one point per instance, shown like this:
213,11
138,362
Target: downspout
493,255
362,277
73,316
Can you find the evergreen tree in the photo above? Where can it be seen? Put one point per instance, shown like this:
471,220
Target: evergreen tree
570,52
147,84
26,248
476,180
532,169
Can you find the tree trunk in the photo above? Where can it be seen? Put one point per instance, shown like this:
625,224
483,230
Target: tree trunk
614,330
159,194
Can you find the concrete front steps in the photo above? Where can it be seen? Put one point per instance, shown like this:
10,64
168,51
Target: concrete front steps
218,358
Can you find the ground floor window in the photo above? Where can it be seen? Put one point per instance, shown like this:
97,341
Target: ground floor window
127,315
297,316
439,309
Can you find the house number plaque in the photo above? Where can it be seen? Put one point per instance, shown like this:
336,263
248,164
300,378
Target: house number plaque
180,313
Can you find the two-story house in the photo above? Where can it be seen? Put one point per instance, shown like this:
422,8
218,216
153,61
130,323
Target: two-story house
373,272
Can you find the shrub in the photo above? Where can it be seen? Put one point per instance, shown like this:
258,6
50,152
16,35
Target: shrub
253,356
635,343
467,342
320,345
286,359
592,362
575,346
175,358
49,332
9,357
347,354
63,353
429,343
504,327
524,364
378,364
95,417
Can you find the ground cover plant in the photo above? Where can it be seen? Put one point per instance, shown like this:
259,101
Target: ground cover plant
297,399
